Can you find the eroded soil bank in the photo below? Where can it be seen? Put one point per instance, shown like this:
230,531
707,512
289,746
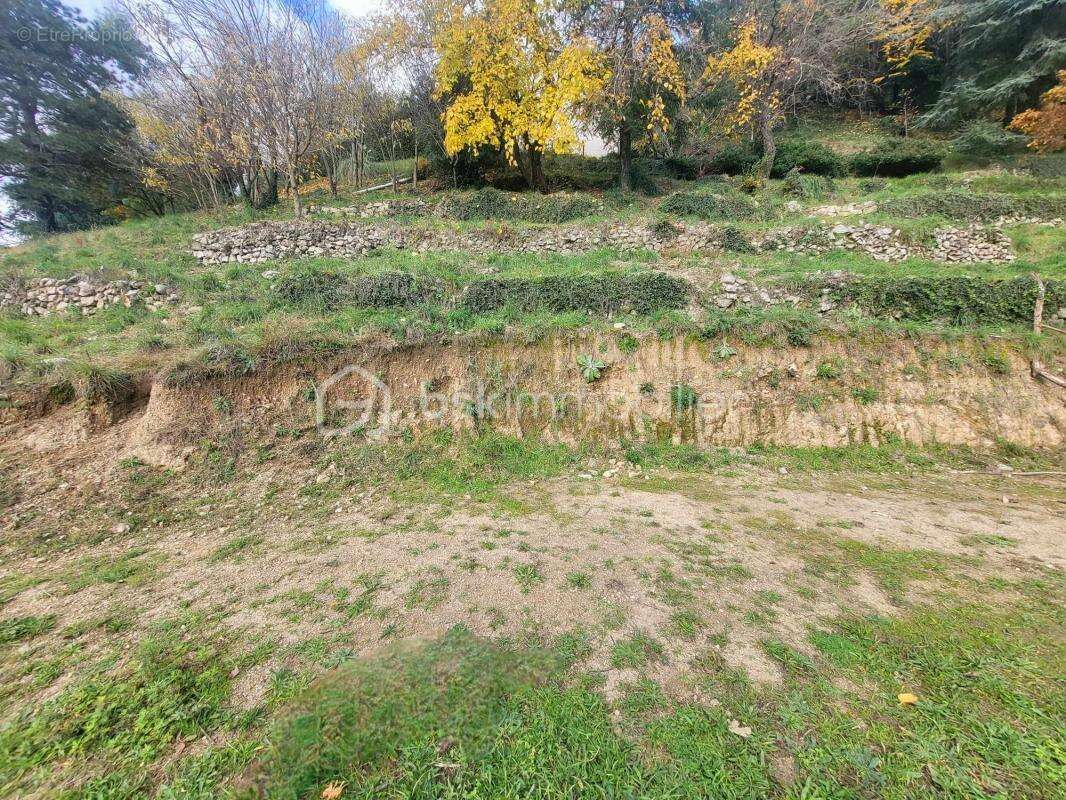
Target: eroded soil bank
602,388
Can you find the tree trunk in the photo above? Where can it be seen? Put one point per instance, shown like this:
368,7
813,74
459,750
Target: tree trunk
769,146
524,164
625,156
536,169
294,187
625,128
47,216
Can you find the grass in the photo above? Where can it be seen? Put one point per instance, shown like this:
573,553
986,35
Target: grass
18,629
239,309
466,717
234,546
121,720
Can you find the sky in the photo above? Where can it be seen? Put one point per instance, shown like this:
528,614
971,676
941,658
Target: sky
353,7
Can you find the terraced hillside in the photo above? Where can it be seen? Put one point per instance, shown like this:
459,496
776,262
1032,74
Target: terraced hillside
715,493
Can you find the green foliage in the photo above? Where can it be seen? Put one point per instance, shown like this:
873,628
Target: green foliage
735,158
60,128
734,240
706,205
803,186
172,688
897,158
1003,54
591,367
310,287
772,325
683,397
982,140
957,299
491,203
305,285
829,370
809,157
865,395
605,293
974,206
18,629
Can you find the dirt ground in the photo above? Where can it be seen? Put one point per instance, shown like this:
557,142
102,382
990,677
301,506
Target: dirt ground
679,564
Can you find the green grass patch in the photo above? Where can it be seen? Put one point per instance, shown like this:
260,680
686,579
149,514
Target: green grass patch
19,629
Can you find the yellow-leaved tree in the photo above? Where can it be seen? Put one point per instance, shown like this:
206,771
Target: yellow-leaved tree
754,71
511,82
909,25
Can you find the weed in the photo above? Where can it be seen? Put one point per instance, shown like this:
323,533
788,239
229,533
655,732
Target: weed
635,651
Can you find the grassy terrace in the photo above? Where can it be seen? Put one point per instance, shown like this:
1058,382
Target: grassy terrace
236,306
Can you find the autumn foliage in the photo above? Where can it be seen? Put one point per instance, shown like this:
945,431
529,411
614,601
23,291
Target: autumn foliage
512,82
1046,126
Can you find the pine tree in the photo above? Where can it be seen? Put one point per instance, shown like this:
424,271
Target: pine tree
58,128
1004,55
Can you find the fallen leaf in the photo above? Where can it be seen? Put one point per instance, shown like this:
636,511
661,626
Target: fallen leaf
333,790
907,699
743,731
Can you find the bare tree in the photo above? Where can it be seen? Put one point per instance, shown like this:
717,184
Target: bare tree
251,82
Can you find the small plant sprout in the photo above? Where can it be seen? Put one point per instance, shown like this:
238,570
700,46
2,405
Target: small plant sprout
591,367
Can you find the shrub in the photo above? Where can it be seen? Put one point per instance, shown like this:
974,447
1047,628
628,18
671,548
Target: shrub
683,168
705,205
391,289
491,203
812,158
897,158
984,140
969,206
735,241
608,293
959,299
305,285
735,158
807,187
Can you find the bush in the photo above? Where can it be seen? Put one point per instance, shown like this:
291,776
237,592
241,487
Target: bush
305,285
608,293
897,158
984,140
683,168
706,205
812,158
734,241
491,203
735,158
807,187
969,206
959,300
576,173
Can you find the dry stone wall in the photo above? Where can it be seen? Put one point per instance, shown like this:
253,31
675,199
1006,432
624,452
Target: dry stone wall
267,241
44,296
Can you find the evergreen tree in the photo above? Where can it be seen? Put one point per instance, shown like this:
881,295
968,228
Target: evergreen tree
1001,56
58,129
